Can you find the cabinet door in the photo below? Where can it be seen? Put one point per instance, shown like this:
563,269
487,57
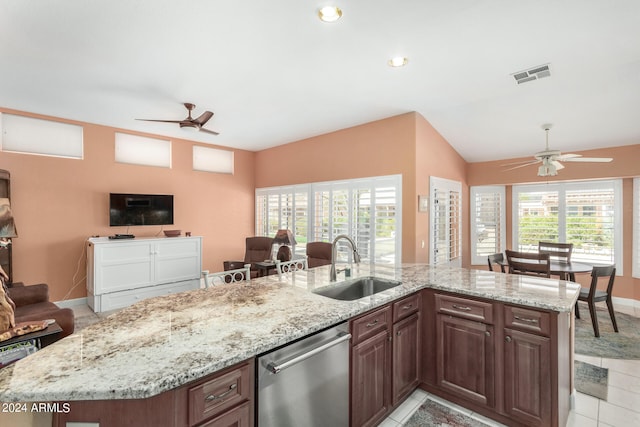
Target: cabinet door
465,360
122,266
237,417
405,357
370,363
527,376
177,259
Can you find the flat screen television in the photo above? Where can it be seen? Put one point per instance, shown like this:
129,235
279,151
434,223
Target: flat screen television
140,209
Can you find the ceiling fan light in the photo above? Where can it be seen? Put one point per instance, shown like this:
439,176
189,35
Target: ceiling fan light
189,127
547,169
329,13
398,61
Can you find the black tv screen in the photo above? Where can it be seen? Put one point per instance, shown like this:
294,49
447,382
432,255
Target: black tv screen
140,209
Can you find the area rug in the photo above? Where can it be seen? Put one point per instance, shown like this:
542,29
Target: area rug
622,345
434,414
591,379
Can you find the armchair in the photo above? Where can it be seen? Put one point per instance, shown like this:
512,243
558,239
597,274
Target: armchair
258,249
32,303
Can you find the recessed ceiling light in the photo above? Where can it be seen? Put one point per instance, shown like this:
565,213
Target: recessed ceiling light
330,13
398,61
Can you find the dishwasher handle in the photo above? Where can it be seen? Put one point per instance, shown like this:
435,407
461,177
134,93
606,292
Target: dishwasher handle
275,367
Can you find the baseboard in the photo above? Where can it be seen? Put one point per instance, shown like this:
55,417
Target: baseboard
72,302
626,302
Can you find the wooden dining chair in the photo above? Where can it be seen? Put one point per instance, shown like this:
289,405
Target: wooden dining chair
528,264
496,259
558,251
592,295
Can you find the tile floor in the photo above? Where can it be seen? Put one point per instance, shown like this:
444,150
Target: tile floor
621,409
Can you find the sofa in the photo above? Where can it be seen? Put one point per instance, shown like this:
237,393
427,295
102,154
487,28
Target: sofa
32,303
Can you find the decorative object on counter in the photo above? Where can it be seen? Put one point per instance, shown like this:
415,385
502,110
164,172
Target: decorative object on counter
172,233
284,239
7,306
187,233
592,295
228,276
318,253
610,344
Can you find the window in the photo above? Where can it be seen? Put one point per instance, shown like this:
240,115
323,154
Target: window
488,224
27,135
446,225
368,210
141,150
212,160
636,227
582,213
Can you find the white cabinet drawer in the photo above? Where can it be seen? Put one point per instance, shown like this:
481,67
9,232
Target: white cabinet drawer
122,299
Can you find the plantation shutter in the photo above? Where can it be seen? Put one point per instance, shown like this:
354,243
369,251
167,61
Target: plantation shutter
636,227
446,233
487,222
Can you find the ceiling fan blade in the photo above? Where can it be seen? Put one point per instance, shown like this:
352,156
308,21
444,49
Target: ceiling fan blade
568,156
589,159
518,163
557,164
162,121
532,162
203,118
212,132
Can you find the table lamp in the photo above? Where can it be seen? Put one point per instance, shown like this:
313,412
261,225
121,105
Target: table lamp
283,239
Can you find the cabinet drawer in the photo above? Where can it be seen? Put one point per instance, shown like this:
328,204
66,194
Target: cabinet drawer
219,394
527,320
465,308
370,324
406,307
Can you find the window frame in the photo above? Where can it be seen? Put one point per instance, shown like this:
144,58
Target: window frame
635,263
562,188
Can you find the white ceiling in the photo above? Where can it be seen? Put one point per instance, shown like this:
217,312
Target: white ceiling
273,73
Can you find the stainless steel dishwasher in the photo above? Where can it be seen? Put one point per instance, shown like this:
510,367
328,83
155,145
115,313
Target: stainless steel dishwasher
306,383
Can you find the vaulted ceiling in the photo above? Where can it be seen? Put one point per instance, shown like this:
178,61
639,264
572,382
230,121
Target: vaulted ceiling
273,73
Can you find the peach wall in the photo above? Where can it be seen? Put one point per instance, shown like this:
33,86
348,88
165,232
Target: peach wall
406,144
58,203
435,157
624,165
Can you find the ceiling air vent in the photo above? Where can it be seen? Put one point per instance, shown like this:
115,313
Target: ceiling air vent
532,74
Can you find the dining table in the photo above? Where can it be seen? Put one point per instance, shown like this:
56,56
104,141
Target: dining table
560,268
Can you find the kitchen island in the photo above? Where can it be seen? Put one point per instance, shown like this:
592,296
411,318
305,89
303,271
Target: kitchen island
163,343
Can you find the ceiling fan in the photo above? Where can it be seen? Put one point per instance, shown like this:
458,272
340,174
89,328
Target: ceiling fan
190,122
551,159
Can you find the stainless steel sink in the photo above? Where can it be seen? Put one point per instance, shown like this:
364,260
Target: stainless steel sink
356,289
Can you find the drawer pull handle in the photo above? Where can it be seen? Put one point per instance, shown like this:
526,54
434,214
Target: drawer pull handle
507,338
460,307
374,323
407,307
524,319
213,397
487,333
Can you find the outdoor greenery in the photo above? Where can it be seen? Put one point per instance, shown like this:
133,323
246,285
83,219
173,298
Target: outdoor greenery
580,230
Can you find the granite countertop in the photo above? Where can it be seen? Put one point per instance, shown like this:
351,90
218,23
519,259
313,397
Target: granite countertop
162,343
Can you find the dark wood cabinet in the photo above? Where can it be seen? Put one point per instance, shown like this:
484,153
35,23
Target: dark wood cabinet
510,363
465,359
370,377
405,360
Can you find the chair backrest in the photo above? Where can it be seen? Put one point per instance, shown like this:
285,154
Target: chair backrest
258,249
318,253
529,264
495,258
290,266
604,271
229,276
558,251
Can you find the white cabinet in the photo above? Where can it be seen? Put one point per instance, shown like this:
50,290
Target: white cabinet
121,272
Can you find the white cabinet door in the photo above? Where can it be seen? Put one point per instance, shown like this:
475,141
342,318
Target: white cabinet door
177,260
123,266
